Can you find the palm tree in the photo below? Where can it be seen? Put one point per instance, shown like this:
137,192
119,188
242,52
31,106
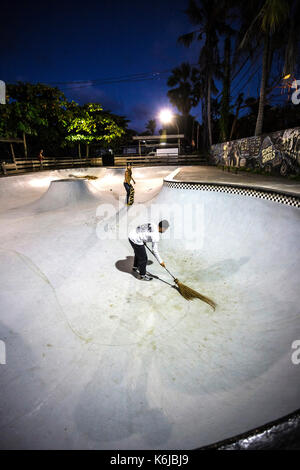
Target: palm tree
185,92
184,96
292,44
151,126
225,100
271,17
210,16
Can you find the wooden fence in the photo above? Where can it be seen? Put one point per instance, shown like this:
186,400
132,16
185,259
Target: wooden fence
21,165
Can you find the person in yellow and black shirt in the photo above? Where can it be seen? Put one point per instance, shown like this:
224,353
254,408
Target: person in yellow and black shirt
127,183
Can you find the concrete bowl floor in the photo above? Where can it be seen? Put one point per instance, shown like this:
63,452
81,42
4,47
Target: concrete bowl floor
97,359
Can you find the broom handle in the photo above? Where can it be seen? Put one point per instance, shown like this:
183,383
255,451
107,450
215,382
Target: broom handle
155,258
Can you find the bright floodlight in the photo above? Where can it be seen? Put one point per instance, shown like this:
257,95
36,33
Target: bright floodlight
166,116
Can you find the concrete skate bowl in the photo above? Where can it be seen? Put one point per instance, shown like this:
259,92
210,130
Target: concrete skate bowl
99,360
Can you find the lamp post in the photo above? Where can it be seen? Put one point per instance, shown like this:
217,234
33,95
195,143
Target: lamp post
166,117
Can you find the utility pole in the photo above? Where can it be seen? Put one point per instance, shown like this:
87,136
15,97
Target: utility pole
178,137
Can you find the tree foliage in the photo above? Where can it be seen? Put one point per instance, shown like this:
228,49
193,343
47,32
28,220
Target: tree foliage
151,126
50,121
88,124
185,93
262,33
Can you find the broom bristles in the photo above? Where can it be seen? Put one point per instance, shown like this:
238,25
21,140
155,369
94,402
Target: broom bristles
190,294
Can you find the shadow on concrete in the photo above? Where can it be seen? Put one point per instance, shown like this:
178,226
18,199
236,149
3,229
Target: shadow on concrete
125,265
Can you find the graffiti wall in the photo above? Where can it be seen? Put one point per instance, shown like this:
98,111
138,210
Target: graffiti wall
277,153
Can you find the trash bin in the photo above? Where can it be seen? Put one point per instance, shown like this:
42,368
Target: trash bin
108,159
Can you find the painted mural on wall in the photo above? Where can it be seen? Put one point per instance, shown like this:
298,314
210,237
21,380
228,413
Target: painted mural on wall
278,152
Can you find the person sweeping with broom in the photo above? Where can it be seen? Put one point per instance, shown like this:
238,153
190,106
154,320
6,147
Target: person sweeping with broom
138,238
150,233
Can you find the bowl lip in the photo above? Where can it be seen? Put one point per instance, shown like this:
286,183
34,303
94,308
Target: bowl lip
283,433
226,185
286,198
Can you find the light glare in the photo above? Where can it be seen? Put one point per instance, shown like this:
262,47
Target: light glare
165,116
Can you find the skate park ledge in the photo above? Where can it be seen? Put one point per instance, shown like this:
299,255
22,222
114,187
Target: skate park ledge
213,176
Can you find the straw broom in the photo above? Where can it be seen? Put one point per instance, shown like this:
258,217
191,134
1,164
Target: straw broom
187,292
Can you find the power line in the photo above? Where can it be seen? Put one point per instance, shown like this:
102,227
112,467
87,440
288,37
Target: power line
154,76
236,75
238,90
124,78
252,64
80,82
86,85
131,78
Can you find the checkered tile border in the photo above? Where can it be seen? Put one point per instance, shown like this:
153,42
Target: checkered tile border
269,195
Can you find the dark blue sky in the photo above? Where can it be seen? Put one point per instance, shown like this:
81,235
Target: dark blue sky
68,41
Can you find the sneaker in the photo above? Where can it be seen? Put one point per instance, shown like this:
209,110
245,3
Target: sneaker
146,278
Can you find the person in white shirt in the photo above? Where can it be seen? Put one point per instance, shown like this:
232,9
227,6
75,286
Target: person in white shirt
141,235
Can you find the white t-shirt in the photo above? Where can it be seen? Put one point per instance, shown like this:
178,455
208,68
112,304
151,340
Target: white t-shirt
146,233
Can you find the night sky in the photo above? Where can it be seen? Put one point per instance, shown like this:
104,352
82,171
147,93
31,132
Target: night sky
66,41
